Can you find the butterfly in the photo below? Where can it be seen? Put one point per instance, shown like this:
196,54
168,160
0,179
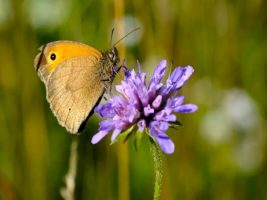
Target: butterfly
76,76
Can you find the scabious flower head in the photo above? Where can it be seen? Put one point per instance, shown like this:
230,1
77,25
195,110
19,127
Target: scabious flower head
143,107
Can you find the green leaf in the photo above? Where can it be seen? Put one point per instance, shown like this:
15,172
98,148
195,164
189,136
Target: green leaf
138,137
175,124
123,136
150,136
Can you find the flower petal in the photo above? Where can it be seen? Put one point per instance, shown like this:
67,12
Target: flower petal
180,75
174,102
148,110
164,116
155,81
98,136
115,133
176,80
156,103
134,89
186,108
106,125
141,125
131,114
141,91
105,110
127,73
158,127
127,91
158,74
166,144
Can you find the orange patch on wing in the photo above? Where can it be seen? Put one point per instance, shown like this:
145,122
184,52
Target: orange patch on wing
69,50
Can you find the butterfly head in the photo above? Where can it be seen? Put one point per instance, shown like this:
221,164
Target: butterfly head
113,56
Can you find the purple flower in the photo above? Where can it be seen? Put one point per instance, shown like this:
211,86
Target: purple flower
143,107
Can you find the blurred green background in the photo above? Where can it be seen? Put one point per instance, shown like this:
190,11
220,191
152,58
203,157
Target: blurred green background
221,149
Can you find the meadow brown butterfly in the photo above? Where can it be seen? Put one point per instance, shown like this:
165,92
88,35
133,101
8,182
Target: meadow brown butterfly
76,76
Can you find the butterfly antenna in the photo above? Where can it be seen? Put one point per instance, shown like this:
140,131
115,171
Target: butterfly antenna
136,29
111,36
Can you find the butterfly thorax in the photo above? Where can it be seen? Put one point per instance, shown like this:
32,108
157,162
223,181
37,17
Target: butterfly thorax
107,65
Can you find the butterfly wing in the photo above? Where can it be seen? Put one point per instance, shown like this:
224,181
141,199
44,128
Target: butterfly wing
73,90
63,50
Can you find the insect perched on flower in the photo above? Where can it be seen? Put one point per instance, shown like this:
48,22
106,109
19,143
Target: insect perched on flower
145,108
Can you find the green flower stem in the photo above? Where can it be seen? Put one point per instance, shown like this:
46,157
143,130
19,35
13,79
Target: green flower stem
157,159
